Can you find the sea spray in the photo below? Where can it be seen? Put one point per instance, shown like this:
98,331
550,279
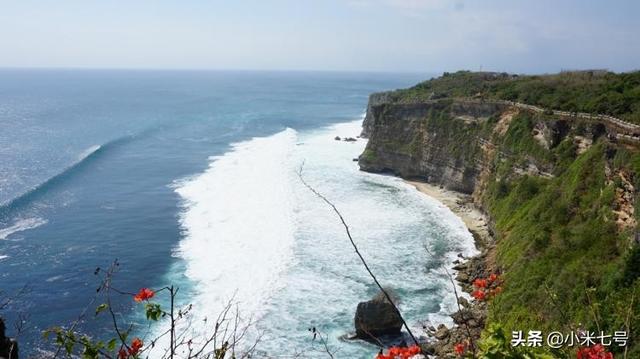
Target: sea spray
252,232
20,225
237,229
237,222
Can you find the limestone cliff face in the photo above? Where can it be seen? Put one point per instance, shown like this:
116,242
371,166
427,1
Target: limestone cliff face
375,99
459,143
437,141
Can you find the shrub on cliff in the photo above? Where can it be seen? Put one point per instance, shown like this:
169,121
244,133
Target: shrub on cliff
604,92
567,263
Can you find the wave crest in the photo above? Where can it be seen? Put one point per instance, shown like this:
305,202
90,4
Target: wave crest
84,159
237,223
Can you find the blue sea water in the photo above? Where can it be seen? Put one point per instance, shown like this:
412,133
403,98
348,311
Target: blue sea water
189,178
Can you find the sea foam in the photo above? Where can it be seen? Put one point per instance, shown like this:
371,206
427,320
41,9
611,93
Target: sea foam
253,232
237,224
21,225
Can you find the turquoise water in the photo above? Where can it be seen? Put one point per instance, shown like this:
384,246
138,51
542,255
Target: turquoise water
188,178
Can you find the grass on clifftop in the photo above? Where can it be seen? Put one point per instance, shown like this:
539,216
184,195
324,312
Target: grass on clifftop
583,91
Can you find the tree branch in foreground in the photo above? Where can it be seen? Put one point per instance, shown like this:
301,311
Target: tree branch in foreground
355,247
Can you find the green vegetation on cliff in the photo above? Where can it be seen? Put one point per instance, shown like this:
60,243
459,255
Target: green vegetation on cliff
567,265
561,193
583,91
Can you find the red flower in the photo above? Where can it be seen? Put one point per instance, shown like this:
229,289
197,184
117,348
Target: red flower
414,350
493,277
479,294
400,352
144,294
136,345
595,352
459,348
122,354
394,351
480,283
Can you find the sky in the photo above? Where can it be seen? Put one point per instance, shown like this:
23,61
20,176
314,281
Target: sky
326,35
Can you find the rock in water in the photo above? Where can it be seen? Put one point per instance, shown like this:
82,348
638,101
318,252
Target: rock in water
337,138
375,318
8,347
442,332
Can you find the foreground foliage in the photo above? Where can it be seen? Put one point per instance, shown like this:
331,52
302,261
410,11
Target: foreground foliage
220,340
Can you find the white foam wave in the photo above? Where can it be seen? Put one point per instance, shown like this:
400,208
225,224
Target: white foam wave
54,278
88,152
390,221
237,224
21,225
466,246
251,229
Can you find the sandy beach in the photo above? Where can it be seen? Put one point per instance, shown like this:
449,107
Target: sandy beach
462,206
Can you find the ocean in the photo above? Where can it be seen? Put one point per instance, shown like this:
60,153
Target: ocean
190,178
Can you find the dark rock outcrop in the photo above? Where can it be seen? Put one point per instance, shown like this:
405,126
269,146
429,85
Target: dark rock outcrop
442,332
376,318
471,317
8,347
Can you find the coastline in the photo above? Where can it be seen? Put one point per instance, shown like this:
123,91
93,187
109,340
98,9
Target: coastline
470,318
462,206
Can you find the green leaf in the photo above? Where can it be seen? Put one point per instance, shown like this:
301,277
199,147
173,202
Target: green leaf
153,311
68,346
111,346
102,307
90,352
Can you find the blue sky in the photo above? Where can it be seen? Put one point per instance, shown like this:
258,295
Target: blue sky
367,35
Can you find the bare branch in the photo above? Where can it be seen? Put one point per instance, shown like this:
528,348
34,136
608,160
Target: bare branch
355,247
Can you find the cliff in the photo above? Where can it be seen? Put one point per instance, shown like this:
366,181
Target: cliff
559,187
435,141
375,99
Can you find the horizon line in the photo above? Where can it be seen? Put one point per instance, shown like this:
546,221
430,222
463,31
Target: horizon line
364,71
205,69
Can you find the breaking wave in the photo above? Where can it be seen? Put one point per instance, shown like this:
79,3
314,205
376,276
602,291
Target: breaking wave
237,223
84,159
253,233
21,225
